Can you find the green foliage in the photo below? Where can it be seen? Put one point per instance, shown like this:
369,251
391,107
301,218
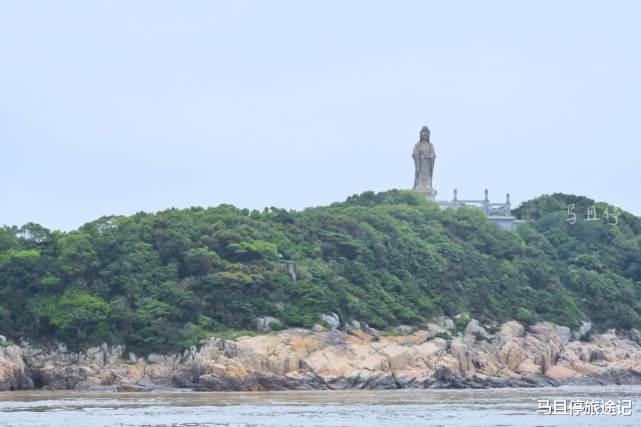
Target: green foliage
257,249
201,261
79,319
162,282
461,321
524,316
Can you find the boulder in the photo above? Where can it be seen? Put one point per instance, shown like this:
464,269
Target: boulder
635,336
332,320
397,356
129,388
353,325
371,331
476,330
433,329
582,330
512,329
565,333
445,322
13,371
264,324
443,373
403,330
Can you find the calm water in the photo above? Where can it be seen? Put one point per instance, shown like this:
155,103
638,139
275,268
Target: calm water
504,407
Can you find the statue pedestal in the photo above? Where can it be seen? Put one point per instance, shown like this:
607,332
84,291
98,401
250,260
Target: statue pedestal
429,193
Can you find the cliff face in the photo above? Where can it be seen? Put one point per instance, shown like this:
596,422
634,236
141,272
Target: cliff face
299,359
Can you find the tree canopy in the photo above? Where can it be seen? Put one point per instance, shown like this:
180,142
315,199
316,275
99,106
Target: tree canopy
161,282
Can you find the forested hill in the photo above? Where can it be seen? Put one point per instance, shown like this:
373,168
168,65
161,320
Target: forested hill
160,282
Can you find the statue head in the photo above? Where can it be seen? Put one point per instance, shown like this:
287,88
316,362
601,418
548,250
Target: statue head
425,134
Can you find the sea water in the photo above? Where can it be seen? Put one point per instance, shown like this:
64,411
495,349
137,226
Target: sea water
487,407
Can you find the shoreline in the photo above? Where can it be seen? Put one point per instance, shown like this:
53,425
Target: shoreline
175,391
541,355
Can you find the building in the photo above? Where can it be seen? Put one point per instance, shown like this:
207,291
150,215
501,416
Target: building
498,213
424,157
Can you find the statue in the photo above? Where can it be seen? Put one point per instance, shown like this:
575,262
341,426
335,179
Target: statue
424,157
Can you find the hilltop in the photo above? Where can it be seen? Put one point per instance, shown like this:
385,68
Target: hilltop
162,282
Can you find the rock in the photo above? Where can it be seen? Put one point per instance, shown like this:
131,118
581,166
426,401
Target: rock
474,329
565,333
443,374
214,383
155,358
433,329
264,324
382,382
14,373
371,331
299,359
352,326
398,356
290,267
128,388
445,322
512,329
403,330
3,340
187,376
635,336
463,354
596,355
560,373
332,320
582,330
59,377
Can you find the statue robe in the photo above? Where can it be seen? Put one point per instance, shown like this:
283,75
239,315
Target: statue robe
424,157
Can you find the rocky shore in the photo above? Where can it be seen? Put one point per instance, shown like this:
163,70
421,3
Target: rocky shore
298,359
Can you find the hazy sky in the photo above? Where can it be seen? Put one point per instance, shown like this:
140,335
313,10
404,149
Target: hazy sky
112,107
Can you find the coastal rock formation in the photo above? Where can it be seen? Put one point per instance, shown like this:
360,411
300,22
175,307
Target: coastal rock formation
12,369
514,356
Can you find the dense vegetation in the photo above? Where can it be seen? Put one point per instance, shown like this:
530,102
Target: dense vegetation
159,282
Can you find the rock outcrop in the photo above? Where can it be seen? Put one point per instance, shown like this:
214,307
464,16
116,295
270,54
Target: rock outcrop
13,372
299,359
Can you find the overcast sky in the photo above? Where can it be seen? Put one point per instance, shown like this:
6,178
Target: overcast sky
121,106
